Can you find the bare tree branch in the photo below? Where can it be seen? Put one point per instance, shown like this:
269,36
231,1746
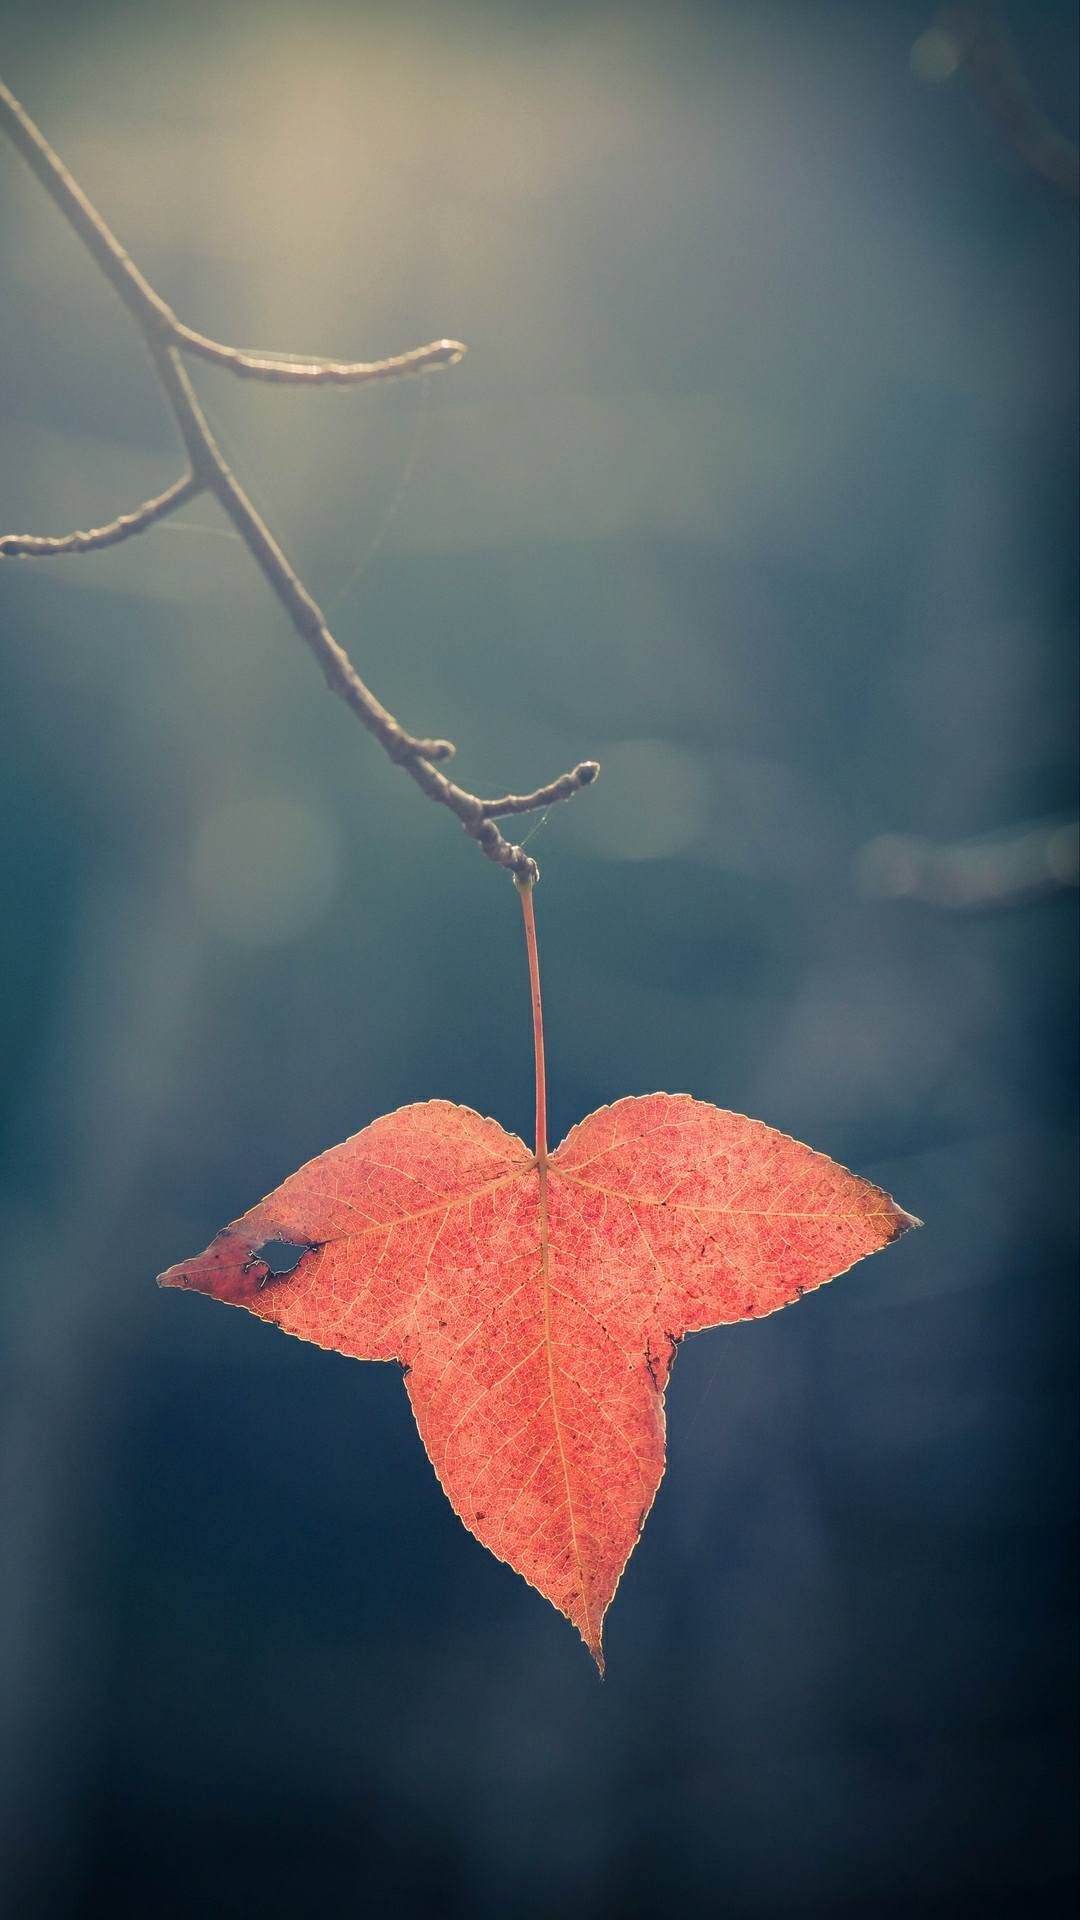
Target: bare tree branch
560,789
40,546
283,371
166,336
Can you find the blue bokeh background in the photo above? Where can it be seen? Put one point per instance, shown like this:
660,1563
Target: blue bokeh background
758,484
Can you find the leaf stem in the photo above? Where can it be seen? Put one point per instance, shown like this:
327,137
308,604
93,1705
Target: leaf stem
525,889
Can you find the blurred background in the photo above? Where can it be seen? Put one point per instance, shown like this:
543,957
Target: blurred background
758,484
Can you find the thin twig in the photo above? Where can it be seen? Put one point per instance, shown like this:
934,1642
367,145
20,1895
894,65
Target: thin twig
166,337
39,546
282,371
580,776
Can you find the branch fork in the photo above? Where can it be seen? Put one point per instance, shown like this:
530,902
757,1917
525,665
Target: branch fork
167,339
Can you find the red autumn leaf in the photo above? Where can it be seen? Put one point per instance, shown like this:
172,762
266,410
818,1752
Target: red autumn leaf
536,1300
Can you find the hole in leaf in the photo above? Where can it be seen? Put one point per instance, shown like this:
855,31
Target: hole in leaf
282,1256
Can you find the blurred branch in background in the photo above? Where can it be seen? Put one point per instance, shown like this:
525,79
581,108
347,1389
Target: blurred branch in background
973,34
992,870
209,472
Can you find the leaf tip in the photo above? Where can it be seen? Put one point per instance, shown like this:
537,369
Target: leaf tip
902,1222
